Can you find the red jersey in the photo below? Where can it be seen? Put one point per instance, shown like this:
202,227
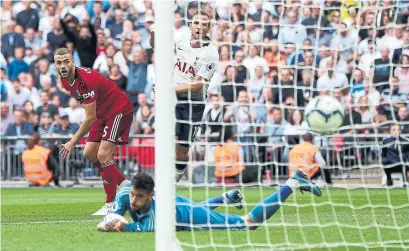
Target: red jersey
90,86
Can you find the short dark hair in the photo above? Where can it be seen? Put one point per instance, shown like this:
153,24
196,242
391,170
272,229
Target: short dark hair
46,92
308,137
203,13
62,51
143,181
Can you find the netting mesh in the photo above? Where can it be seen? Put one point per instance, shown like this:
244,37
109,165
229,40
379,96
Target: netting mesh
274,57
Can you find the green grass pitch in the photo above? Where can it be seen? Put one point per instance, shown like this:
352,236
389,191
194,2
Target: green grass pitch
60,219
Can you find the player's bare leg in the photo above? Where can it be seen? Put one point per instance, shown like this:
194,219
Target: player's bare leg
182,156
111,176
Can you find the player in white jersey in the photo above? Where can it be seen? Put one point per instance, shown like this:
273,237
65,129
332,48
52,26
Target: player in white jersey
196,62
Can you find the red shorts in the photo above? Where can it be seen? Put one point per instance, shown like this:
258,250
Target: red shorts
115,129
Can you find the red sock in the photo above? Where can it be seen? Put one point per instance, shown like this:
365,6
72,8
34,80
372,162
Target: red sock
97,165
111,178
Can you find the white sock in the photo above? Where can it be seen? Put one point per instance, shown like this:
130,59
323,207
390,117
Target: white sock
292,183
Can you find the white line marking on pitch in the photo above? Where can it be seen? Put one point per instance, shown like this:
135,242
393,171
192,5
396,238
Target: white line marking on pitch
48,222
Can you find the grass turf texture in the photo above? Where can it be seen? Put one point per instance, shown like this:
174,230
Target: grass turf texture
60,219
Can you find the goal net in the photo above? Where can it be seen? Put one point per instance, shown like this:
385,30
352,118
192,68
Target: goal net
274,57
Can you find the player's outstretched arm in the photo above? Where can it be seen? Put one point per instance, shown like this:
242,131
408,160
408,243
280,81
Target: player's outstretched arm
194,86
90,118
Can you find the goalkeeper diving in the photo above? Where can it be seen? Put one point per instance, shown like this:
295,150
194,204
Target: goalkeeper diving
137,198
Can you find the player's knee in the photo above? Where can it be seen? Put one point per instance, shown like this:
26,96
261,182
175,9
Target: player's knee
104,155
89,154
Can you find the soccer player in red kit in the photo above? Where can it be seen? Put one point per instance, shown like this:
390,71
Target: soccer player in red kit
108,119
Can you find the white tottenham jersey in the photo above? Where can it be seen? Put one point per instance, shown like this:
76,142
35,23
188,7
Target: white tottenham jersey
192,62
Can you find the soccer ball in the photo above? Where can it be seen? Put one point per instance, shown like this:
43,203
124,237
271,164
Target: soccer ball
324,114
112,218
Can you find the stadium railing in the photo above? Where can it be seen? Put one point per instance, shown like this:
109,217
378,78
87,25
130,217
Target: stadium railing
345,159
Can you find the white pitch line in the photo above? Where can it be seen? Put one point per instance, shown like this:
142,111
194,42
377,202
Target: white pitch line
48,222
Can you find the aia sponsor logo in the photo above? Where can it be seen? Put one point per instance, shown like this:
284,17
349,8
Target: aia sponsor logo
186,68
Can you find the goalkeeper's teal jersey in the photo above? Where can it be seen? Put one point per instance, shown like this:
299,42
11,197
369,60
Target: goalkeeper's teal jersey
189,214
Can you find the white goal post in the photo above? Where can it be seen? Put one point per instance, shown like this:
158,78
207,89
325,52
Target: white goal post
164,133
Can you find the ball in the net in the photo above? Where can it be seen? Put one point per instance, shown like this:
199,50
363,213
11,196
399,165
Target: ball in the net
324,114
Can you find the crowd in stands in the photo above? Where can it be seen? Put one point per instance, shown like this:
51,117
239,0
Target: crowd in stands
274,57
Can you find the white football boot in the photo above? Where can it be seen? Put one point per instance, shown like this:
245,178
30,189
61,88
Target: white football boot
104,209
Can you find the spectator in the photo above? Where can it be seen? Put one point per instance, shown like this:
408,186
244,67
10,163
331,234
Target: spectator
244,116
382,67
46,127
74,52
116,75
142,101
397,53
65,127
75,112
320,37
254,60
294,33
295,125
31,40
8,86
213,116
20,95
85,41
374,97
39,174
315,19
101,42
394,152
271,32
6,117
180,28
284,87
3,91
402,73
29,17
29,57
46,107
306,88
18,65
224,58
273,56
28,84
367,59
101,63
259,91
339,64
30,115
124,56
346,40
142,125
116,27
76,9
392,98
56,38
403,119
307,61
19,128
137,80
240,69
10,41
351,117
332,79
229,88
46,22
390,40
357,84
44,72
99,19
367,114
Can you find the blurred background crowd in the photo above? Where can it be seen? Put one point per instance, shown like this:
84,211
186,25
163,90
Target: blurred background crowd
274,57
